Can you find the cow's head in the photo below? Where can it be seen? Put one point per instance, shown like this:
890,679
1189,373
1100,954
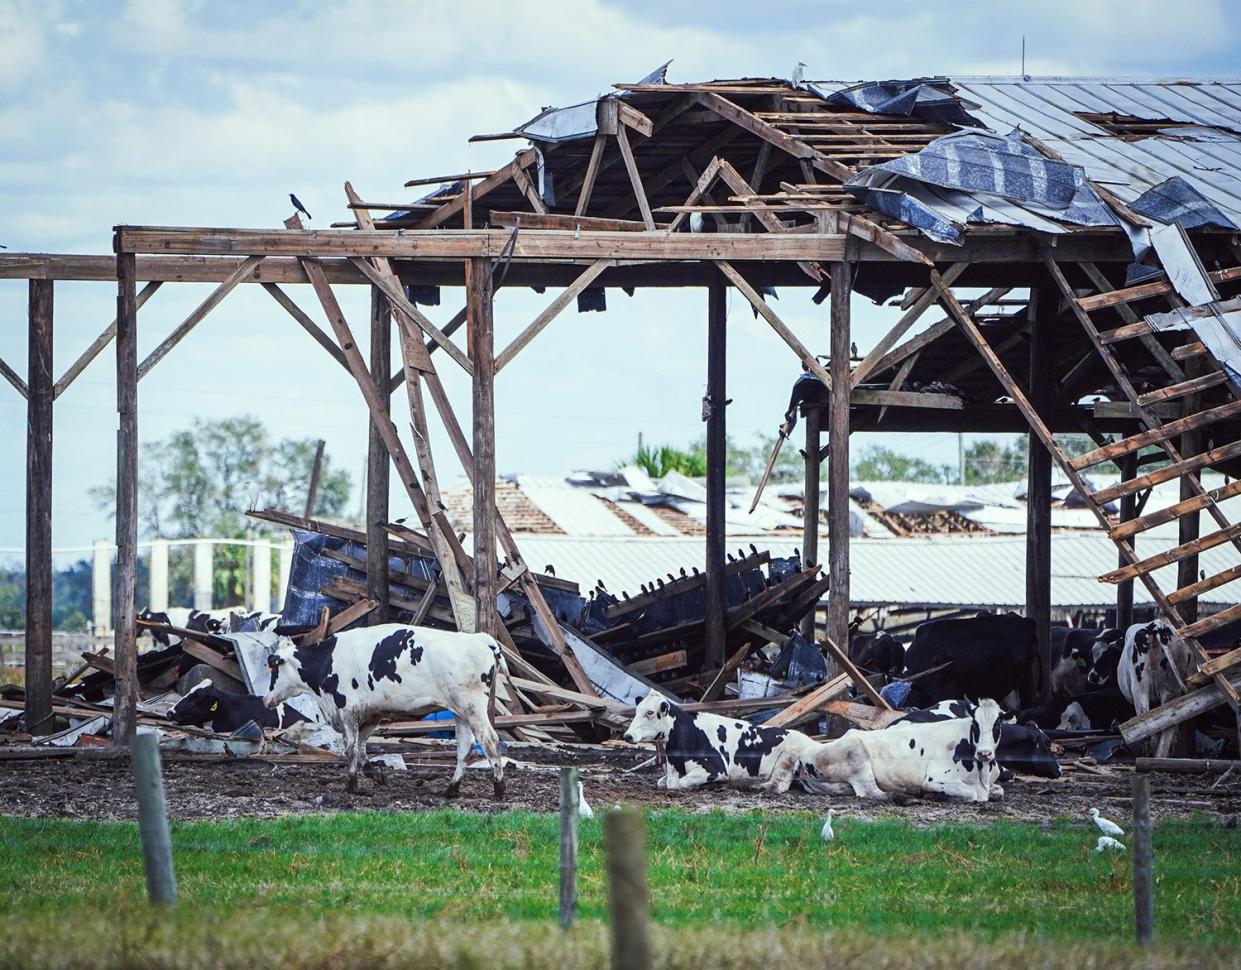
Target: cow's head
652,719
1104,659
198,706
202,622
286,674
987,718
159,636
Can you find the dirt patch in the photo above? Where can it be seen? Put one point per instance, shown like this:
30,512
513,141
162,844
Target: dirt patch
102,788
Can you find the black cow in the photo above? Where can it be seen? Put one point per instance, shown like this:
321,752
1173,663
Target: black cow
1089,711
1022,747
991,655
205,704
878,653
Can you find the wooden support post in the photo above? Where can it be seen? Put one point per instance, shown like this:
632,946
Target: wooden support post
813,417
312,490
1143,862
838,460
1188,524
125,709
39,511
482,342
1038,486
568,846
714,603
377,463
624,835
1128,465
153,820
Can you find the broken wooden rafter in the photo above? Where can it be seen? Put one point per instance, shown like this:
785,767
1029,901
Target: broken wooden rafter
524,159
540,322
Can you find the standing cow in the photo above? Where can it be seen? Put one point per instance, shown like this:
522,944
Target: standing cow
1152,670
364,676
992,655
704,748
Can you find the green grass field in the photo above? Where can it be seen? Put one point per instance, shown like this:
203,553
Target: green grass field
447,884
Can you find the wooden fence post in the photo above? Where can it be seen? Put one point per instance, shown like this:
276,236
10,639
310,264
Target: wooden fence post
568,846
153,819
624,836
1143,861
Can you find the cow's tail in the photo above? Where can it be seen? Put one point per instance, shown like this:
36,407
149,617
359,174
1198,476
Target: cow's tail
501,667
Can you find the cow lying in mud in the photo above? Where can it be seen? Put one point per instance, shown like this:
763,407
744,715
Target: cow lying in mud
205,705
954,757
364,676
705,748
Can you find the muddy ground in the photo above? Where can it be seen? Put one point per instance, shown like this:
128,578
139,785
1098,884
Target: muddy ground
101,787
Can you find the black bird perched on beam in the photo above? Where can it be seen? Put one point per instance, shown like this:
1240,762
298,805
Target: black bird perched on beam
298,206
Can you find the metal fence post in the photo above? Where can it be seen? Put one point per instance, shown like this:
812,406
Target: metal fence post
153,819
624,835
1143,861
568,846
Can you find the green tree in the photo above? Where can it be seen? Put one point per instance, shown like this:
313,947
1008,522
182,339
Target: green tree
201,481
989,461
659,460
877,463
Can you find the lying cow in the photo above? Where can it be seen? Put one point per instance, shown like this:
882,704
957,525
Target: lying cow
1023,747
364,676
1090,711
205,705
992,655
1152,670
704,748
954,757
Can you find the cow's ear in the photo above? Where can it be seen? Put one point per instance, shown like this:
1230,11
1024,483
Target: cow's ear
663,708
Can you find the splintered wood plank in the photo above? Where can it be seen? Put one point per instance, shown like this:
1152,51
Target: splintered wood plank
540,322
1168,472
805,706
1144,290
1127,332
524,159
655,665
1206,625
1195,348
1170,430
350,614
1173,555
1173,512
775,322
557,220
385,283
1205,585
858,678
1191,386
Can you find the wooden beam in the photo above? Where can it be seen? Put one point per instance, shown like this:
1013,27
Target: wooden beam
559,220
806,706
307,324
858,678
1177,711
813,418
399,302
523,159
715,604
38,645
98,344
1137,442
377,464
592,172
1038,485
635,178
838,458
125,712
589,275
14,378
775,322
482,342
906,399
243,272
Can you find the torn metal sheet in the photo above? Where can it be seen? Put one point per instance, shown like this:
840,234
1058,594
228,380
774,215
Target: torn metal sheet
1175,201
1217,325
577,120
1181,263
613,681
930,99
70,736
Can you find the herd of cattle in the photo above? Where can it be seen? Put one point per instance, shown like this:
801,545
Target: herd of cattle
965,688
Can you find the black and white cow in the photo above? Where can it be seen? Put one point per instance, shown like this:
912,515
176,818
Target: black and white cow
877,653
205,705
1072,656
1104,662
361,677
206,621
1023,747
992,655
703,748
954,757
1089,711
1152,670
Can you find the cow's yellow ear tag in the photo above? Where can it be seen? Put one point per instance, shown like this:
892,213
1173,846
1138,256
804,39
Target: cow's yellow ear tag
215,705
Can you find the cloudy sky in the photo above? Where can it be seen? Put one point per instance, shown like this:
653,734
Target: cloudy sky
209,112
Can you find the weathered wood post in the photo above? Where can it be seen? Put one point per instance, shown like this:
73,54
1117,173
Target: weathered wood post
838,461
39,511
1143,861
1038,483
714,604
1128,510
568,846
378,464
125,714
153,819
813,417
624,834
478,292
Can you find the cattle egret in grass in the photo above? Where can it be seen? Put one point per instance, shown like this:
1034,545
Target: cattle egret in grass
1104,825
828,834
1107,842
583,810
